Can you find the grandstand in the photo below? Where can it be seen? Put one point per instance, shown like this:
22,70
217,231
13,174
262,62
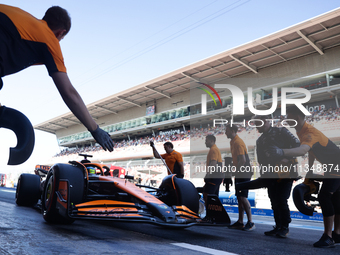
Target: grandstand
306,55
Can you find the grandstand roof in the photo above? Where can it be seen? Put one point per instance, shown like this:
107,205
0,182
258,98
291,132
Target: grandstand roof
313,36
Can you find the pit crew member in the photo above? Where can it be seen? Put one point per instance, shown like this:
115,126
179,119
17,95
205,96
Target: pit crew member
320,148
214,178
240,158
173,159
26,40
278,184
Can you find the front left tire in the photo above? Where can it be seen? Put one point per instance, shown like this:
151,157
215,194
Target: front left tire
75,177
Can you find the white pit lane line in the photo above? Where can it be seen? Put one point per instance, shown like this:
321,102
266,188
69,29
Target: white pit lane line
203,249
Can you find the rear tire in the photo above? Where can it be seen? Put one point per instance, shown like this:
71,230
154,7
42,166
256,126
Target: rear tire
75,176
28,190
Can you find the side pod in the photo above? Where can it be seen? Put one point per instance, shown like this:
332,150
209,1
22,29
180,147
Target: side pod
22,127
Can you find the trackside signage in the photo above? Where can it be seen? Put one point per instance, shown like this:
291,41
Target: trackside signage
238,100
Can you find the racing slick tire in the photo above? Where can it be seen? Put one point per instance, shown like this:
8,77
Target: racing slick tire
75,177
179,191
298,198
187,194
28,190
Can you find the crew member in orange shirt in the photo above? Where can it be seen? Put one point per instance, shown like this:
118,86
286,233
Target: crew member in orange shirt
240,159
319,148
173,159
26,41
214,178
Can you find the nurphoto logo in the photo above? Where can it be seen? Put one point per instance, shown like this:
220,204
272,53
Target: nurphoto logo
238,100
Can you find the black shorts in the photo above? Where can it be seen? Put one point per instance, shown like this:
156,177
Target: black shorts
329,197
330,185
242,192
212,185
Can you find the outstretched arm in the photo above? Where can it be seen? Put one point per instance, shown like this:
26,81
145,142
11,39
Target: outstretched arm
75,103
155,153
73,100
296,152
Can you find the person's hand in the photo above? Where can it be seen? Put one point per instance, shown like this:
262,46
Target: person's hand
274,152
103,138
152,144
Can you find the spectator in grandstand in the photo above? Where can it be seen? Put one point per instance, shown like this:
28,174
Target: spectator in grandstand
173,159
327,153
214,178
240,159
278,184
26,41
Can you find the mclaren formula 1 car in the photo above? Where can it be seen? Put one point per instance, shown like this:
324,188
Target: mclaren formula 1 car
82,190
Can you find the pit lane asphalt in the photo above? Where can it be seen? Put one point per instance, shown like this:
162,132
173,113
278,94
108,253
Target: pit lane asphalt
23,231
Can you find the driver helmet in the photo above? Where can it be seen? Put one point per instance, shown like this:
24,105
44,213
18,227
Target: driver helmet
91,170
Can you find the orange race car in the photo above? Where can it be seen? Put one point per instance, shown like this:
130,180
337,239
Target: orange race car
81,190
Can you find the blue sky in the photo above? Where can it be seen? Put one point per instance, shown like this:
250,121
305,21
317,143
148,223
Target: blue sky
114,45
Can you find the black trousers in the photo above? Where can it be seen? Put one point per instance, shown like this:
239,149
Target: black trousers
279,192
